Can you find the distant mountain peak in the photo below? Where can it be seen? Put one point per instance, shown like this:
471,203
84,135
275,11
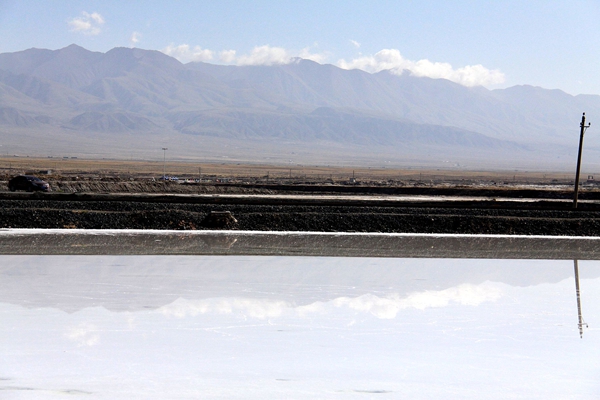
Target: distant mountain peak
75,50
155,57
305,61
74,46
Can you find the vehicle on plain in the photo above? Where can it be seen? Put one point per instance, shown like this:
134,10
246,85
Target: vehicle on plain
168,178
29,183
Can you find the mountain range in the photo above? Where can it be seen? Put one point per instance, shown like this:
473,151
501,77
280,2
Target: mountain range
130,102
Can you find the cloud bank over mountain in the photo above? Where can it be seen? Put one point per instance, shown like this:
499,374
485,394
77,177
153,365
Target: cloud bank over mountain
260,55
392,60
386,59
185,53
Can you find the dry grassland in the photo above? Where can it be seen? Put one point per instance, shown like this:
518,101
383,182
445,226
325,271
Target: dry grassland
146,169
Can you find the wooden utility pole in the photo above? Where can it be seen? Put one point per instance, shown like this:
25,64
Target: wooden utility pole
583,128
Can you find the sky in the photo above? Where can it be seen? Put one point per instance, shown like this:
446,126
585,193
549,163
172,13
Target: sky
496,44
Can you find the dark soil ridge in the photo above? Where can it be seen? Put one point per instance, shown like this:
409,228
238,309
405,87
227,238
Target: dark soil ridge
533,193
306,200
39,211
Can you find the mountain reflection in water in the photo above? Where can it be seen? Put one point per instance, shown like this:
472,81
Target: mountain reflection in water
301,327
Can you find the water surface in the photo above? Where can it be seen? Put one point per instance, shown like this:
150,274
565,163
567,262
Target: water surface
198,326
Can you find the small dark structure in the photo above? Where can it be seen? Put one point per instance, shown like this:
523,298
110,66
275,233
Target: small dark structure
219,219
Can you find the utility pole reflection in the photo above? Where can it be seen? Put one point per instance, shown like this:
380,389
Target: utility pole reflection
581,323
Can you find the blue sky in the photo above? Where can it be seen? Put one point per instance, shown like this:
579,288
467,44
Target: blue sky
552,44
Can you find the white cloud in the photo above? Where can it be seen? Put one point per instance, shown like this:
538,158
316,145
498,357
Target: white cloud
185,53
227,56
265,55
381,307
255,308
268,55
306,54
135,38
388,307
392,60
84,335
260,55
88,24
355,43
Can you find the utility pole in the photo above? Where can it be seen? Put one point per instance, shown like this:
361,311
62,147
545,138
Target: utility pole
164,162
583,128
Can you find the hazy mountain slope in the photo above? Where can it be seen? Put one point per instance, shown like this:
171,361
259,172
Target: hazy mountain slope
135,80
13,117
44,91
11,97
329,124
497,113
77,67
111,122
553,111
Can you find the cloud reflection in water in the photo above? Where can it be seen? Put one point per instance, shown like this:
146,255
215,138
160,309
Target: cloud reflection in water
382,307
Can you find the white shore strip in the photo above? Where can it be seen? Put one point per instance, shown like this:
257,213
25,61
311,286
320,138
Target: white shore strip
115,232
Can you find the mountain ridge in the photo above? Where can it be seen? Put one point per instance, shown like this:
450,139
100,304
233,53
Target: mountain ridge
81,93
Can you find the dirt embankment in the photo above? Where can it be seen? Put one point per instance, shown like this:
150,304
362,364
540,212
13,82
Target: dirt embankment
150,187
375,188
